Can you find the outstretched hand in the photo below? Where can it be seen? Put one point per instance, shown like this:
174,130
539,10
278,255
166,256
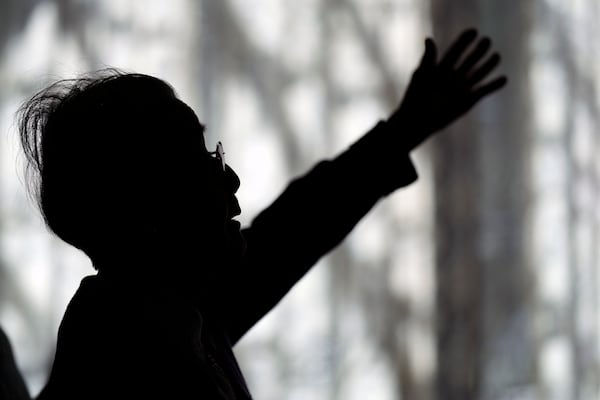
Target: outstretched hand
440,92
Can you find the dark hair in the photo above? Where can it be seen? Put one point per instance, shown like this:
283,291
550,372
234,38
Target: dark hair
91,146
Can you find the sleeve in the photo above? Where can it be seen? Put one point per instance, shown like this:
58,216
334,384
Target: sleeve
311,217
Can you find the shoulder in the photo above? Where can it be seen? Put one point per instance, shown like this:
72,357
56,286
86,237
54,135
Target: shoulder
117,336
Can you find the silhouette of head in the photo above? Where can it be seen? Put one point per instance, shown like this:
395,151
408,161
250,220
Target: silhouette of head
119,168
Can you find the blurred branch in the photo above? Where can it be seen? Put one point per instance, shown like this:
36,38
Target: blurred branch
372,47
263,71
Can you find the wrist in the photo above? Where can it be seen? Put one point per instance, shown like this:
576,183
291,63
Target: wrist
376,161
405,131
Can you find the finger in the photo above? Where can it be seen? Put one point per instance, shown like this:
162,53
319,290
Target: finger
458,47
484,70
476,55
430,55
488,89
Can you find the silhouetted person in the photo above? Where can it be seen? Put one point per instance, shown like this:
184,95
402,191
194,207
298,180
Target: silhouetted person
121,171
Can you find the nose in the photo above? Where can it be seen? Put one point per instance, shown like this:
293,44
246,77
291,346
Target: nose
233,179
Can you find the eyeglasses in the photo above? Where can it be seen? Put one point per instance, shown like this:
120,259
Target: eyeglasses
219,154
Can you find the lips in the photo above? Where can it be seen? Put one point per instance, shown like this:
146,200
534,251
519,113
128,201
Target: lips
233,224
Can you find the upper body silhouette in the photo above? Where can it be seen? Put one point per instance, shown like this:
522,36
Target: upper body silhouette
120,170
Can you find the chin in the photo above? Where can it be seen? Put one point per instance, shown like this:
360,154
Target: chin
236,243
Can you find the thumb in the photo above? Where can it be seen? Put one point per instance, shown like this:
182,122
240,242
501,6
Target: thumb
430,54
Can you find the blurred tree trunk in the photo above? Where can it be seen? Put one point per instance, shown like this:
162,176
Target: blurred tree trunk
481,202
13,19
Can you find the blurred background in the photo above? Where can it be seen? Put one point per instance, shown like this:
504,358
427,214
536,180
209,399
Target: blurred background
480,281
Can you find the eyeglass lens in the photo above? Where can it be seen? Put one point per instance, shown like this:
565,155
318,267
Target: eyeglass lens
220,154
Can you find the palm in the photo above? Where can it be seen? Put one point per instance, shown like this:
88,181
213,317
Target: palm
440,92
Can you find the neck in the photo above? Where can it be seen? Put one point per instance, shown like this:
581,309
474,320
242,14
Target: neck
193,274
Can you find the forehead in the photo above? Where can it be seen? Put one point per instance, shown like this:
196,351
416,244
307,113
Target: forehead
157,96
186,122
152,106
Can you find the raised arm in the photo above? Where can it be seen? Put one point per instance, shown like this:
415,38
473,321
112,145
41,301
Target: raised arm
316,212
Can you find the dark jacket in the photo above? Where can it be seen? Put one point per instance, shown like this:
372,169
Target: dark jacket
121,340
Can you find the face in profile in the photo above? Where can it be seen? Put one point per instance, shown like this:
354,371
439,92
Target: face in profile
201,205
